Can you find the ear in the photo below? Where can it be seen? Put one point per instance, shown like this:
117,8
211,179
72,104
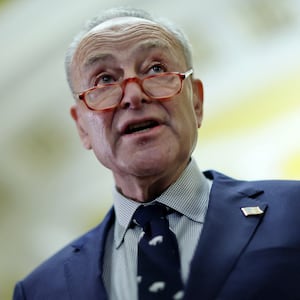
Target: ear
198,100
76,116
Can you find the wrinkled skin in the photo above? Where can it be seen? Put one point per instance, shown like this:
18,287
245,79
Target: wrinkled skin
146,162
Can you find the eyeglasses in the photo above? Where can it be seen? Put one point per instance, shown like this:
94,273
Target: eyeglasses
159,87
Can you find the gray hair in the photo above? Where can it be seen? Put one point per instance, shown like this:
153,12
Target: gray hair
126,12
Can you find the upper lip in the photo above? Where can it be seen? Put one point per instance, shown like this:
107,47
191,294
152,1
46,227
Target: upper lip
134,123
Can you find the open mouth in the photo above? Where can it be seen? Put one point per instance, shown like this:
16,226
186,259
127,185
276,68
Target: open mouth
139,127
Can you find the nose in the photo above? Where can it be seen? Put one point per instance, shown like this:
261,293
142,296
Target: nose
133,95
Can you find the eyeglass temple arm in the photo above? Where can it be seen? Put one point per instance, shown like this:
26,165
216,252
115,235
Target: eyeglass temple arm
188,73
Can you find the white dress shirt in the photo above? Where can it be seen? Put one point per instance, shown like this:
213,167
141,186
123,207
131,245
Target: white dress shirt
189,197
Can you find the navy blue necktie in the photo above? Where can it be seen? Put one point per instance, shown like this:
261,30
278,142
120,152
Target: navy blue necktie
159,275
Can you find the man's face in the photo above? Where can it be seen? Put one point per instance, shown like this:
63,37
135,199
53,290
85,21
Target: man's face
130,47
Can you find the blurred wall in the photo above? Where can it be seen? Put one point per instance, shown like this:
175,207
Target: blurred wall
52,190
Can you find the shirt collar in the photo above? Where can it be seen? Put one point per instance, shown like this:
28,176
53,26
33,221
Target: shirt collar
188,195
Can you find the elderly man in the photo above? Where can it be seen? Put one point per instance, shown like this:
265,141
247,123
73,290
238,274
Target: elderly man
173,232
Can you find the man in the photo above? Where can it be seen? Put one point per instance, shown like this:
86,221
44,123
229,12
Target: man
138,107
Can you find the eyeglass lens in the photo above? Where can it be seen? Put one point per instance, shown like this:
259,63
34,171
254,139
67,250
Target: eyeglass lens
161,86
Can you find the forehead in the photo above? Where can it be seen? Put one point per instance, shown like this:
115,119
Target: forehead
127,33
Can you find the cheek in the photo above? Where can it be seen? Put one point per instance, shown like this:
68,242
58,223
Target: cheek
186,123
104,138
184,112
97,128
100,134
100,142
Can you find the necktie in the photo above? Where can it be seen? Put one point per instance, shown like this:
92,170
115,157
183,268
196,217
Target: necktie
159,275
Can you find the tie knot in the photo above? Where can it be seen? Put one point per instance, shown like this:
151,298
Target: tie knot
145,214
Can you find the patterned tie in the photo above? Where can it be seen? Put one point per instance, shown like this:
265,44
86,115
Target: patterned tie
159,275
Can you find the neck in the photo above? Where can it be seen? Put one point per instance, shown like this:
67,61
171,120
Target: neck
145,189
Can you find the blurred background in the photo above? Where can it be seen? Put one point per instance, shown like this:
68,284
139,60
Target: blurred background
51,190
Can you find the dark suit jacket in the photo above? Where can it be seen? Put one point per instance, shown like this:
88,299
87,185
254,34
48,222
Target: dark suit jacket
238,257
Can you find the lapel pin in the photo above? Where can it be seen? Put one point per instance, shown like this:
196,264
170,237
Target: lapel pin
252,211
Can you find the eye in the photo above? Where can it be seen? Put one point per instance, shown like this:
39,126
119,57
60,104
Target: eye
104,79
157,68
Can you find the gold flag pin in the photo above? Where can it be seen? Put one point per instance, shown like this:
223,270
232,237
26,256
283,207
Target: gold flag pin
252,211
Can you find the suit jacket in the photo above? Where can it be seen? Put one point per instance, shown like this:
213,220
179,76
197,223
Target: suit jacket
237,257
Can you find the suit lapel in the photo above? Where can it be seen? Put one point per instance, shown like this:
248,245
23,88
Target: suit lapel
225,235
83,269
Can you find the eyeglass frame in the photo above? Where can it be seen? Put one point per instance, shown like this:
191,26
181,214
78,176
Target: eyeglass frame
182,76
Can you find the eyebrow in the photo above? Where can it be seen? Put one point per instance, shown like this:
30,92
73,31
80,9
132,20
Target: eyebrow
152,44
96,58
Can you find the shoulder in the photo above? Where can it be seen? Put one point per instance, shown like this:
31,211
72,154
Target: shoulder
53,272
277,187
278,199
89,239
